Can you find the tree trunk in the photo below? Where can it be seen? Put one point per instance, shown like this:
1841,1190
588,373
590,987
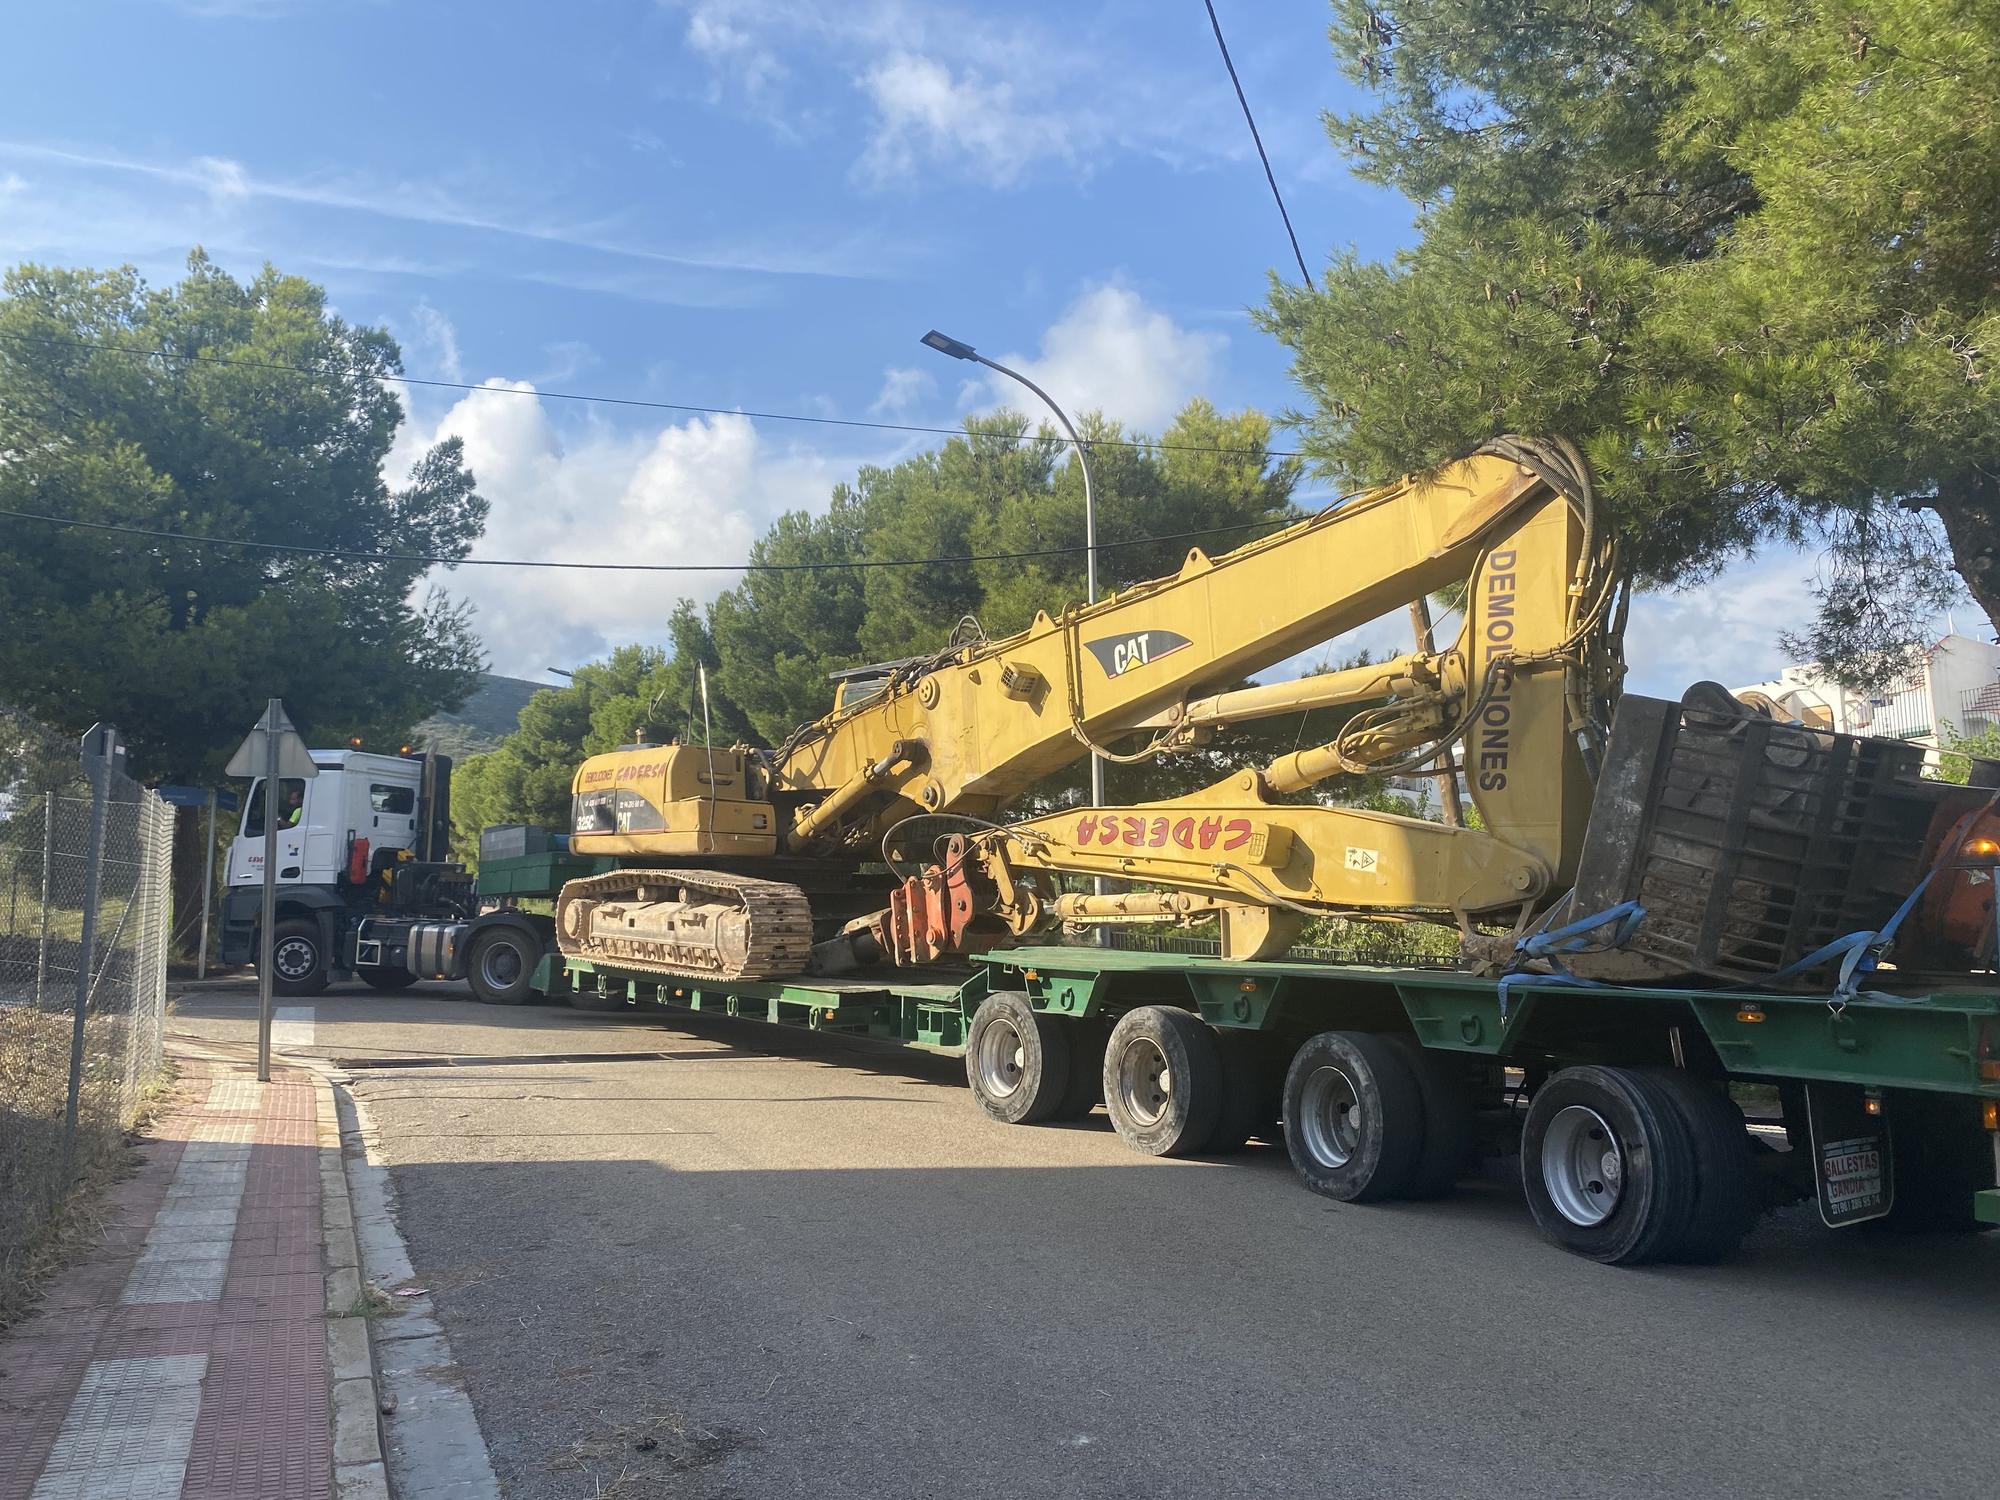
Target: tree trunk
1970,510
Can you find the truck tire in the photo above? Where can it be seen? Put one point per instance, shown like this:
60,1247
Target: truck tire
388,981
1725,1180
1162,1081
1941,1156
501,966
1354,1117
1016,1060
1087,1039
1449,1123
1251,1087
298,957
1607,1165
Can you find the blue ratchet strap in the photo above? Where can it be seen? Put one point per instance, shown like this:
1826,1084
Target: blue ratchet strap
1572,937
1859,952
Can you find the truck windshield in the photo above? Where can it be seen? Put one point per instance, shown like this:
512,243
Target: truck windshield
291,804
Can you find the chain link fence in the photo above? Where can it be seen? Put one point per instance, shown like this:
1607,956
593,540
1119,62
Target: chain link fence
85,861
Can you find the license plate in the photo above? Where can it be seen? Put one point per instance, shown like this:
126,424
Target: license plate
1851,1160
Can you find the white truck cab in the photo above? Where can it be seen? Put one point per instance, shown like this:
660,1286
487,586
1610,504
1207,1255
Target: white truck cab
356,796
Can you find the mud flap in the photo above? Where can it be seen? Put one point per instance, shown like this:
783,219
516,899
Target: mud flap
1853,1166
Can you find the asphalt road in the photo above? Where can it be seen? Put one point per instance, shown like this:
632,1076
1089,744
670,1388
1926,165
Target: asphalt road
759,1264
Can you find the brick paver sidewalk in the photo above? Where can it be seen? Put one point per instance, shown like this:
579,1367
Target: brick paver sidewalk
187,1356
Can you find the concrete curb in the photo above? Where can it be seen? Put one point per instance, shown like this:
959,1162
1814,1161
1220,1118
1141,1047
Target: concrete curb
358,1470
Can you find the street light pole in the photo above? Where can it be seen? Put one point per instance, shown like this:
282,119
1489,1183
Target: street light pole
944,344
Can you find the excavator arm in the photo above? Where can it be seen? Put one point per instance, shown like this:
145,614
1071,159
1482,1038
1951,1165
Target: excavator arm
1525,690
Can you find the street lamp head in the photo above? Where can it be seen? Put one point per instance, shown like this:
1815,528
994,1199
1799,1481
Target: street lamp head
945,344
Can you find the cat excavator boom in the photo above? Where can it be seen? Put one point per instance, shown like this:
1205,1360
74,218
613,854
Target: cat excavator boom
736,862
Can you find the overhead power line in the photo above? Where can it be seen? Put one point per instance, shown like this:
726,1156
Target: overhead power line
296,549
1250,120
625,401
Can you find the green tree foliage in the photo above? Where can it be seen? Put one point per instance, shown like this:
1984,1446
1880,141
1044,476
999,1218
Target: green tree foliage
1960,750
1741,250
180,645
770,643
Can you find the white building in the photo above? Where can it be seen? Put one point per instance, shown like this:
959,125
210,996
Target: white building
1952,689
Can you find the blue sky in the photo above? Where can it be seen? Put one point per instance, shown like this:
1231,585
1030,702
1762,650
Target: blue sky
733,203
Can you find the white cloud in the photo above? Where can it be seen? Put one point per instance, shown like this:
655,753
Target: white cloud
1112,353
12,183
1725,630
441,338
695,492
969,89
924,112
738,59
902,387
852,257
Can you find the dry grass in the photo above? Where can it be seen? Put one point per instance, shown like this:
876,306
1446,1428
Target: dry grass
643,1458
73,1228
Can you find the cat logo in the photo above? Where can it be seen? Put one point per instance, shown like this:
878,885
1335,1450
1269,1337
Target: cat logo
1124,653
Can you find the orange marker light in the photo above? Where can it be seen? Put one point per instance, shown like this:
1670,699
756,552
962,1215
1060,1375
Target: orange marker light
1749,1015
1989,1113
1871,1106
1981,848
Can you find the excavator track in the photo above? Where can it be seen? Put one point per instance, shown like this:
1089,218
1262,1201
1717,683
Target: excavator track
687,924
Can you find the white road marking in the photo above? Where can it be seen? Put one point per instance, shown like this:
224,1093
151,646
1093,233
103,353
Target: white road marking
292,1026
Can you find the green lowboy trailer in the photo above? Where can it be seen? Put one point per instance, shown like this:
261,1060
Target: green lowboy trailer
1626,1105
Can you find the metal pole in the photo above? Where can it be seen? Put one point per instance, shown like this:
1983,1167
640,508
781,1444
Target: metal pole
48,860
1447,779
97,763
207,885
273,716
1089,555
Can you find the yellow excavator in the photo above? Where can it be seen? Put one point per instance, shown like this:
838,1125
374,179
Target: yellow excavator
748,864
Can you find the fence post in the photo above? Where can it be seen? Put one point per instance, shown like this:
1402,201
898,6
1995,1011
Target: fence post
48,861
207,885
100,746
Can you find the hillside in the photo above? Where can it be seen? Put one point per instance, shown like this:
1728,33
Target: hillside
486,718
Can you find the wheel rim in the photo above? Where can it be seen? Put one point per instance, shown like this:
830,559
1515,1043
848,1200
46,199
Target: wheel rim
1145,1082
1583,1166
1001,1058
293,957
1330,1116
500,965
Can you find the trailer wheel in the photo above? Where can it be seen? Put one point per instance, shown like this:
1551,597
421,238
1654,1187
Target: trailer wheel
298,957
1251,1087
1608,1166
1016,1060
1354,1117
1162,1081
501,966
1449,1125
1086,1069
1725,1183
1941,1156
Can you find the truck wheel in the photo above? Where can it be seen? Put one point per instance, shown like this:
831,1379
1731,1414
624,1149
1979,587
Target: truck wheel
298,957
1016,1060
1250,1090
1086,1069
1725,1182
389,981
1449,1125
1608,1166
1354,1117
1162,1081
1941,1156
501,966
